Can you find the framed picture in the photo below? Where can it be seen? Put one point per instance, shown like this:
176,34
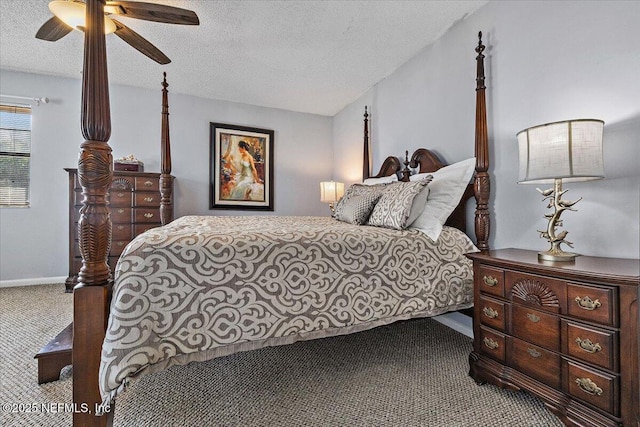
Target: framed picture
241,167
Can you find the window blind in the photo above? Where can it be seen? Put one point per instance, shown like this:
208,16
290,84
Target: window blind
15,155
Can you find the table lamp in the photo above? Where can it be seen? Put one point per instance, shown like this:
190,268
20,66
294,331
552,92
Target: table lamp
567,151
331,192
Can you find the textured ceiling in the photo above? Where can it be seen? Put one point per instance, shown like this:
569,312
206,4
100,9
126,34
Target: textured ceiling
307,56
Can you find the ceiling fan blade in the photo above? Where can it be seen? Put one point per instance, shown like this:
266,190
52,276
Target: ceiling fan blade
52,30
140,43
152,12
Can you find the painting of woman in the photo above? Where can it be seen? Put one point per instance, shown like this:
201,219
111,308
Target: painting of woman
241,167
248,185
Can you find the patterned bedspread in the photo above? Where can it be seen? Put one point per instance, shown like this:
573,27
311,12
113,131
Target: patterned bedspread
204,286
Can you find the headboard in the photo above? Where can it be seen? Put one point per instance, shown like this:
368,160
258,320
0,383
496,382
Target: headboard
427,161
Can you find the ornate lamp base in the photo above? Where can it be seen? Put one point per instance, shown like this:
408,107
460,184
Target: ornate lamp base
555,253
557,256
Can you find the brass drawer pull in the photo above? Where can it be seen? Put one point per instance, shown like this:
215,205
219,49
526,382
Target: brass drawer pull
490,281
533,317
588,386
490,343
148,215
120,227
148,183
490,312
120,195
588,346
120,211
121,244
533,352
148,199
587,304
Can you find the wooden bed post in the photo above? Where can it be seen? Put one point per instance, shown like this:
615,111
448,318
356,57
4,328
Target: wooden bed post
481,180
366,162
166,180
95,170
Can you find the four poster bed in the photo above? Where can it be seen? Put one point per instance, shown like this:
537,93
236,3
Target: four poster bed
202,287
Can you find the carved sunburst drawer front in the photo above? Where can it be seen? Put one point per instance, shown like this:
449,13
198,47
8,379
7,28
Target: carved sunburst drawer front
535,361
595,387
536,326
541,292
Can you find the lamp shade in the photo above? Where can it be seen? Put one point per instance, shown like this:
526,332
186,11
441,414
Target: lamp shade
570,150
73,14
331,191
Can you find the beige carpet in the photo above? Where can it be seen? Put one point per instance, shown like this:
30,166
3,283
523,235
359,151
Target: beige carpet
407,374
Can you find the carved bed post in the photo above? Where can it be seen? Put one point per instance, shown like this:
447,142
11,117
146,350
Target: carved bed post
95,170
366,161
166,187
481,180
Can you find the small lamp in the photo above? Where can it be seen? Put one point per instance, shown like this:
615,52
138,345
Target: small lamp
569,150
331,192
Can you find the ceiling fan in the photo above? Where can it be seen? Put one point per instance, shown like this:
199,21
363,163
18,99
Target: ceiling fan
70,15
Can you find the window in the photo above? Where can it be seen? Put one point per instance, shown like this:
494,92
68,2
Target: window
15,155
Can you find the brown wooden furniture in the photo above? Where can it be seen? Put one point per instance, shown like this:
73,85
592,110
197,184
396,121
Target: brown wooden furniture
134,199
93,293
565,332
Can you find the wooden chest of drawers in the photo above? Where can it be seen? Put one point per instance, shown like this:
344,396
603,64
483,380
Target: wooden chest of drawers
566,332
134,199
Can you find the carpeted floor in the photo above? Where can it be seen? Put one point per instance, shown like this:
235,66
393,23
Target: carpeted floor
407,374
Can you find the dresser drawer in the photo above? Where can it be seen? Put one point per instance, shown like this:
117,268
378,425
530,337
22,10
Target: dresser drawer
119,198
117,246
491,280
595,304
592,345
536,362
147,215
492,343
591,386
493,313
536,291
147,184
141,228
121,215
536,327
147,199
121,232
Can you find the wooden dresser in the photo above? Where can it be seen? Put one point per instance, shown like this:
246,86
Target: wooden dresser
566,332
135,207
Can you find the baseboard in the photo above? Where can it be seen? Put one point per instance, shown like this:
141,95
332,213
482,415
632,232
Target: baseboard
29,282
457,321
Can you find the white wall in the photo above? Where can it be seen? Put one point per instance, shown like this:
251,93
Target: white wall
546,61
34,241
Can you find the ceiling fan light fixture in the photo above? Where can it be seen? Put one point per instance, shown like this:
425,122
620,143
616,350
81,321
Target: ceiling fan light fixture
73,14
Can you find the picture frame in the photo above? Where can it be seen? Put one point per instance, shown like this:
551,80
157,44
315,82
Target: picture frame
241,167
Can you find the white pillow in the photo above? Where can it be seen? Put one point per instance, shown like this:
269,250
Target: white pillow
445,191
382,180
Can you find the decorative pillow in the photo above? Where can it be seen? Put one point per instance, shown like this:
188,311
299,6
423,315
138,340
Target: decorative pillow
445,192
357,190
382,180
357,208
394,207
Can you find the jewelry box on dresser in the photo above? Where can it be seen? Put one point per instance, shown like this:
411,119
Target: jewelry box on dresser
134,199
566,332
